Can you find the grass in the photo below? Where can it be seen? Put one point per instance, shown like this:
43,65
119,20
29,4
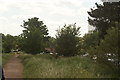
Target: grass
6,57
46,66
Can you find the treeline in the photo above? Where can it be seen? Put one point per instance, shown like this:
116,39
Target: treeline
101,44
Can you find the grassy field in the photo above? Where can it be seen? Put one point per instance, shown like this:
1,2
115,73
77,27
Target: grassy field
46,66
6,57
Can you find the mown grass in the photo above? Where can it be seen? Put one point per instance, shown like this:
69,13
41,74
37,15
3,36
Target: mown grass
46,66
6,57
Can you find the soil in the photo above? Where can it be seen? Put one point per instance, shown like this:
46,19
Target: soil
13,68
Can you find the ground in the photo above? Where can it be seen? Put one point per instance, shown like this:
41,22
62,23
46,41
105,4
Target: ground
13,68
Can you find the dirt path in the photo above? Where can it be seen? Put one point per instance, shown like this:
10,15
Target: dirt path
13,68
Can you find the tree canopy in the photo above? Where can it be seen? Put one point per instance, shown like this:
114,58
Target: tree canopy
90,40
107,52
67,41
8,43
104,16
35,36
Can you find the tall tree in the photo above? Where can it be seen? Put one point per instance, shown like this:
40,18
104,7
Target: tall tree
34,36
104,16
90,39
52,42
67,40
107,52
8,43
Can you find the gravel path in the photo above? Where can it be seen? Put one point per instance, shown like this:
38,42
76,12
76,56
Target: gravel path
13,68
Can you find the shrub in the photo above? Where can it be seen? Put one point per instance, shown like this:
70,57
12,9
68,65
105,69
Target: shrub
67,40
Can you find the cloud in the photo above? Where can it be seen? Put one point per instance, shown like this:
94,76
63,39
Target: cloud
53,13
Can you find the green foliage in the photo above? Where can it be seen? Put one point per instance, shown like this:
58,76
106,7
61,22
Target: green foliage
46,66
111,41
6,57
34,37
90,40
108,49
8,43
52,42
67,40
106,19
104,16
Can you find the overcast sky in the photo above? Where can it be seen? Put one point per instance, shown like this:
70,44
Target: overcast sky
53,13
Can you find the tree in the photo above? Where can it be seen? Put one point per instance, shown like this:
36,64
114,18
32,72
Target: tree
34,37
67,40
52,42
90,39
8,43
104,16
1,50
107,52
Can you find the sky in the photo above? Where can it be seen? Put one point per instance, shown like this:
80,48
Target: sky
53,13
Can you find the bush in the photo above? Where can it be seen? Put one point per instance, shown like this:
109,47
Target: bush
46,66
107,52
67,41
6,57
